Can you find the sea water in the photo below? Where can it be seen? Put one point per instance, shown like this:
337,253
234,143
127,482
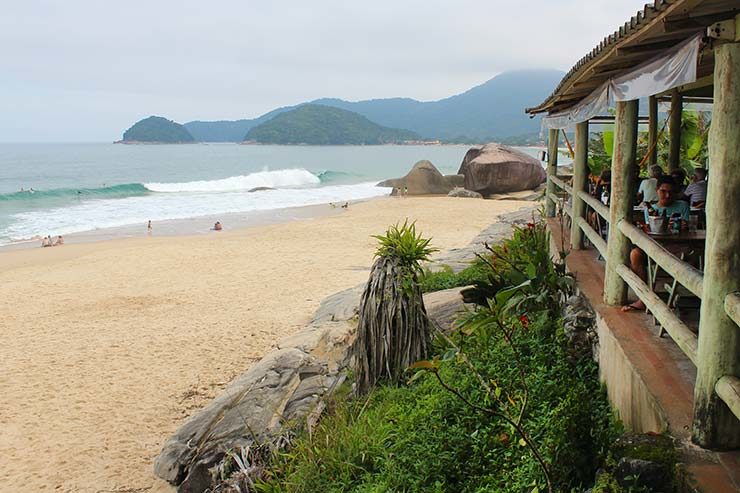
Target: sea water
59,189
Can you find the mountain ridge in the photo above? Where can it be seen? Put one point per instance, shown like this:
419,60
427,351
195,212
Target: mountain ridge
492,110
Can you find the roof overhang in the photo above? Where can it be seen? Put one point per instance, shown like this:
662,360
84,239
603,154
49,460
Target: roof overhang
655,30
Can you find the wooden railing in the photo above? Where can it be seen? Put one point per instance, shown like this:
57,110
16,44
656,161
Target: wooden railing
727,387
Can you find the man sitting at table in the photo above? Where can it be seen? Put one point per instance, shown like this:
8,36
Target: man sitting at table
676,209
697,190
646,192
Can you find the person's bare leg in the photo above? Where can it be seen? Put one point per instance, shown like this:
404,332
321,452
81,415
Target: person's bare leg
638,262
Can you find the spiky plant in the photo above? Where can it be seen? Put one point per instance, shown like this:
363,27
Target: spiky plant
393,330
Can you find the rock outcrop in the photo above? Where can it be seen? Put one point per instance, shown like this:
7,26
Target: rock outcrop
287,388
494,168
462,192
424,179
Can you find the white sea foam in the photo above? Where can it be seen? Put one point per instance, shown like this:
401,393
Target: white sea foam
109,213
283,178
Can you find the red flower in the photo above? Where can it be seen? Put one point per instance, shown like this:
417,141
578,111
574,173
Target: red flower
524,320
530,225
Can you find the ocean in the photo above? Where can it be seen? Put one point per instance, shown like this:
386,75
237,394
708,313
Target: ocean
61,189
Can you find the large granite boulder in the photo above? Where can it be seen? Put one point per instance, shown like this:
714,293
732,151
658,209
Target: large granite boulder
424,179
495,168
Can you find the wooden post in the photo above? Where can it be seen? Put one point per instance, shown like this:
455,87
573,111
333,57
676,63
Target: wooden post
622,198
674,129
552,169
719,337
580,179
653,129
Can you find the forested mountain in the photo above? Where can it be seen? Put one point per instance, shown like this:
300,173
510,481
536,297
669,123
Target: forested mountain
492,111
156,129
324,125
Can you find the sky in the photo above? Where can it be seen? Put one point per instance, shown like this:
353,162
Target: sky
85,71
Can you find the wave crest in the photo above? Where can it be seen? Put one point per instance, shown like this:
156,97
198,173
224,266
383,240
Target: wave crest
284,178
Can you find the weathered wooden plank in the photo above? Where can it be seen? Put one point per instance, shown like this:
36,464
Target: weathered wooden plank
580,179
715,426
653,130
561,183
732,307
674,131
728,389
552,167
595,204
622,197
689,277
681,335
594,237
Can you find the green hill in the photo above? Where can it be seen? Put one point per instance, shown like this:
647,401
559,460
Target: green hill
323,125
156,129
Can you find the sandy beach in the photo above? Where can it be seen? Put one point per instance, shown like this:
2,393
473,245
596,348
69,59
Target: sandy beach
109,346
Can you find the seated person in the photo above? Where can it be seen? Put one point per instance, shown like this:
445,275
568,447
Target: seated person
677,209
696,192
679,177
59,241
217,226
46,241
647,191
601,193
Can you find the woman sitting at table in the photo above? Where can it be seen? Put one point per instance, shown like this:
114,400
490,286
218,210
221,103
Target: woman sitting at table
676,209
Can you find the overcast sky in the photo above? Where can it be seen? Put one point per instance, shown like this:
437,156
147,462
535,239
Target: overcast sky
84,71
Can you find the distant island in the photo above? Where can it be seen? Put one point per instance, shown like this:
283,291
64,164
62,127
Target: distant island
490,112
157,130
316,124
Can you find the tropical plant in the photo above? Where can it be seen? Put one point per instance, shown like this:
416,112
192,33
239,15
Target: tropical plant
393,330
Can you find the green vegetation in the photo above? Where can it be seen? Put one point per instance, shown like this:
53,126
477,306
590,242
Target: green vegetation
694,145
504,406
447,279
323,125
393,329
157,130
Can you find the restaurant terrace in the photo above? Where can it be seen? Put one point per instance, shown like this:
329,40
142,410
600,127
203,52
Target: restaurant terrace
670,367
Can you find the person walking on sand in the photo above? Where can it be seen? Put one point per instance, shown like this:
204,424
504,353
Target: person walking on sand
149,227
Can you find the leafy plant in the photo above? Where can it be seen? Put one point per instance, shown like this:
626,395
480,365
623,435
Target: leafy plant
393,330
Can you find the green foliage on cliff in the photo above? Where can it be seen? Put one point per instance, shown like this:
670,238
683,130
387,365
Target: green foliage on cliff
323,125
157,129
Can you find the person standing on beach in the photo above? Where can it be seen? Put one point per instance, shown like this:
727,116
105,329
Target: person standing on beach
149,227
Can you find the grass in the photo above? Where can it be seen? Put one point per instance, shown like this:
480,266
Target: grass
420,437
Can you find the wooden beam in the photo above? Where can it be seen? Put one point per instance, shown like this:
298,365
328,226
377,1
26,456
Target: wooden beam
580,180
715,426
560,183
689,277
594,237
600,208
681,335
728,389
732,307
653,130
674,131
622,198
553,138
649,46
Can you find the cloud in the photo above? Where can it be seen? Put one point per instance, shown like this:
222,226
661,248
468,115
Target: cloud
113,62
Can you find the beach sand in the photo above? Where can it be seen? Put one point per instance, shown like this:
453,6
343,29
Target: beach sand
108,347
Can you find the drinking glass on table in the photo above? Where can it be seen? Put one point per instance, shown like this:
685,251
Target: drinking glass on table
693,222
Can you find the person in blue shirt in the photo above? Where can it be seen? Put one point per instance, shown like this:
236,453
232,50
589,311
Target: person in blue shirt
676,210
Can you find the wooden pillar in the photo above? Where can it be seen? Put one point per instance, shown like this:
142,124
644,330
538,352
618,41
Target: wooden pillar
622,198
674,130
653,129
719,337
552,169
580,179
